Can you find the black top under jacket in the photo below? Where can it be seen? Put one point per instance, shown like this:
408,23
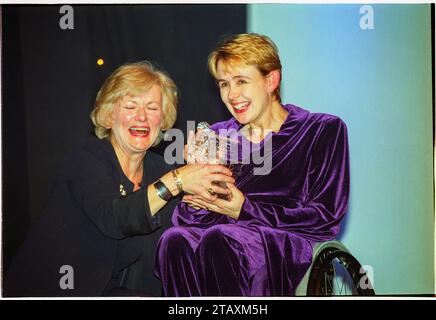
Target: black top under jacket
92,213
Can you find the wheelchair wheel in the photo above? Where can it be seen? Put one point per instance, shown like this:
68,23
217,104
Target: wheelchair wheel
336,273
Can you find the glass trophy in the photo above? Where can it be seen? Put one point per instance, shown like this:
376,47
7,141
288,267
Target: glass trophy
210,148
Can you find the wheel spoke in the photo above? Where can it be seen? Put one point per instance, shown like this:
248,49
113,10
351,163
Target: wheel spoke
335,276
344,286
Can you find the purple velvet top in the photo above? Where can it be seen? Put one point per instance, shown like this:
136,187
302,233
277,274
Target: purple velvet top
300,202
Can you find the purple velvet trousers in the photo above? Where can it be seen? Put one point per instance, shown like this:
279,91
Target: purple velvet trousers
223,260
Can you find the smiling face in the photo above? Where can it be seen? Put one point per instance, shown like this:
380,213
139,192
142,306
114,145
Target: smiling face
245,91
136,120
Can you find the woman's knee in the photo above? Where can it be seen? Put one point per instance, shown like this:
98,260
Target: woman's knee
217,237
174,238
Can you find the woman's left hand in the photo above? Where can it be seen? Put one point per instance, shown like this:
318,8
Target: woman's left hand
230,208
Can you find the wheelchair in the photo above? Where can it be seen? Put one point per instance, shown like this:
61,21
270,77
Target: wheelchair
334,272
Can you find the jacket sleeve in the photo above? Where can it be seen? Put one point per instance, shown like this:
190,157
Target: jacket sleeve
91,183
326,199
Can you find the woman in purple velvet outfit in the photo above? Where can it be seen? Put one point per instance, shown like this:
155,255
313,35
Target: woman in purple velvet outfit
260,242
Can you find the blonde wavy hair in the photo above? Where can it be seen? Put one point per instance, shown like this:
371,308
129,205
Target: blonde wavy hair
133,79
249,49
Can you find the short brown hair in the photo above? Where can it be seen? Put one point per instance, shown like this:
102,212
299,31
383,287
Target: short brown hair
250,49
133,79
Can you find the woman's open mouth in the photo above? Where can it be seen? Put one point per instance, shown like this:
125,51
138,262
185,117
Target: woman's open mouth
139,131
241,107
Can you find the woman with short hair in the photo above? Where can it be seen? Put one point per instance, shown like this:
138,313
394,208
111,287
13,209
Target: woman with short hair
260,242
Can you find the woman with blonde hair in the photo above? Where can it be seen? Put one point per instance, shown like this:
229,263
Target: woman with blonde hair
260,242
113,197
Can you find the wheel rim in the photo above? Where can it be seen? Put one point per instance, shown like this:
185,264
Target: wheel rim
335,273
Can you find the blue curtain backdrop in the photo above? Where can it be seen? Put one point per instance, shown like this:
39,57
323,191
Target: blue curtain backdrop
379,81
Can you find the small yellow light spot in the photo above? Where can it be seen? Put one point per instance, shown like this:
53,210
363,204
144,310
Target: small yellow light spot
100,62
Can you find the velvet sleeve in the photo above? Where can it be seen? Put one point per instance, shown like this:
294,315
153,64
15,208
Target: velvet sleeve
91,183
325,198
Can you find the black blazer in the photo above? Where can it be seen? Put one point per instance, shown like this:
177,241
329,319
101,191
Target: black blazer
85,220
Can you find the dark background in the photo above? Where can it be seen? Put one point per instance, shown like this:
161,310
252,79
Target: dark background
50,79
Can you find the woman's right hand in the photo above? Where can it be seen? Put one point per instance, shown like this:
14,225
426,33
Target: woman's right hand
198,179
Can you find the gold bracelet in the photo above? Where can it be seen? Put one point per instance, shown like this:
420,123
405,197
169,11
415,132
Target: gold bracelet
178,180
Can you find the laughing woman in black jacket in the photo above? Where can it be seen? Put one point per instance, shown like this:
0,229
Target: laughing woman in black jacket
113,197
